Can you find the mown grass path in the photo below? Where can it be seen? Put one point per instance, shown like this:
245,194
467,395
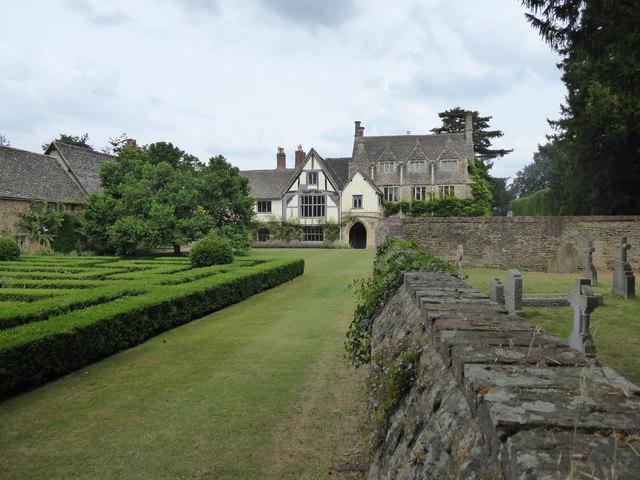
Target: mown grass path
257,390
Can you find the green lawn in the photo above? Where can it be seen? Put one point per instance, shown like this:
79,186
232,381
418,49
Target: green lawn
615,326
257,390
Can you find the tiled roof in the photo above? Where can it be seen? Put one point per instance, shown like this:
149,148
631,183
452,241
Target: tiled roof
84,164
268,183
339,168
402,145
33,176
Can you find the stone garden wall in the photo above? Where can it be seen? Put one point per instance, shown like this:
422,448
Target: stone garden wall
527,243
496,399
9,214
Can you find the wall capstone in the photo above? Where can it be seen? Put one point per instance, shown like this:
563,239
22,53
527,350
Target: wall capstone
495,398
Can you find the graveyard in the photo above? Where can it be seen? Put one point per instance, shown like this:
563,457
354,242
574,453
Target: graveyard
613,325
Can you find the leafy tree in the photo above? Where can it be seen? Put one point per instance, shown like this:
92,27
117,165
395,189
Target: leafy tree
77,140
598,134
502,195
537,175
453,121
163,196
4,142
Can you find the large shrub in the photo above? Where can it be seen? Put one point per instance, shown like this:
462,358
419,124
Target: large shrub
211,250
9,249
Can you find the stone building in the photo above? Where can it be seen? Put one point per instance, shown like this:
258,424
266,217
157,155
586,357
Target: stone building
381,168
64,174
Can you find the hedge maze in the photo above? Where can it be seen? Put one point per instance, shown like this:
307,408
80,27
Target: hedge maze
60,313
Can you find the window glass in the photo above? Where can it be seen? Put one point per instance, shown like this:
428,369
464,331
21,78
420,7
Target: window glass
312,206
391,194
313,234
264,206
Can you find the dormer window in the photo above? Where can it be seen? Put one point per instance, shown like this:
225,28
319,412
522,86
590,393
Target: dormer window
312,178
387,167
449,165
416,166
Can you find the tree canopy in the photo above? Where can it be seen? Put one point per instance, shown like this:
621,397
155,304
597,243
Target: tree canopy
597,170
537,175
77,140
162,196
453,121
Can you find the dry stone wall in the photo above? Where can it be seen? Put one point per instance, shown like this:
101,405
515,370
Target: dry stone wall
527,243
496,399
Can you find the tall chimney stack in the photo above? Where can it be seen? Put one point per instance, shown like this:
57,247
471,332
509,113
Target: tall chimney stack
468,128
299,156
359,130
281,159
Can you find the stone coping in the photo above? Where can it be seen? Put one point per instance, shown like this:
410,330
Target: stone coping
545,409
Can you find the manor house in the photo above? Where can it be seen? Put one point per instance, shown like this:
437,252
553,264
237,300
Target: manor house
351,190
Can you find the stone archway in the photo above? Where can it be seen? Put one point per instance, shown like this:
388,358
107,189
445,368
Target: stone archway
358,236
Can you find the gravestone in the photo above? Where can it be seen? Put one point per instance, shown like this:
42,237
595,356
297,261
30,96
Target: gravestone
513,292
459,255
589,272
624,282
583,302
567,259
496,291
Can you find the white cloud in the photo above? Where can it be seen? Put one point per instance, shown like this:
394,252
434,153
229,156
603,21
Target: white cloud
242,78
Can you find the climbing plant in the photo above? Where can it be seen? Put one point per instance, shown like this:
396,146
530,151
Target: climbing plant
393,258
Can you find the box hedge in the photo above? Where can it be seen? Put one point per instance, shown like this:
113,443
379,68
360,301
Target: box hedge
33,353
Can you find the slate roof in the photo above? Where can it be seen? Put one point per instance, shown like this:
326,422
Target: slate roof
339,168
268,183
84,164
33,176
402,145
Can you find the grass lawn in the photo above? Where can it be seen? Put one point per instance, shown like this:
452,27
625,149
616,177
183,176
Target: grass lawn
615,326
257,390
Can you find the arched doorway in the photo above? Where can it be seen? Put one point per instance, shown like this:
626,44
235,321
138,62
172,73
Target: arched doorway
358,236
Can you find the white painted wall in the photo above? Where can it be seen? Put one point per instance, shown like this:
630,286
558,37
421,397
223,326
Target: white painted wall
370,199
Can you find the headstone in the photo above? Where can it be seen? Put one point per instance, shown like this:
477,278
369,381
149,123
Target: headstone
513,292
509,214
496,291
583,302
589,271
567,259
624,282
459,255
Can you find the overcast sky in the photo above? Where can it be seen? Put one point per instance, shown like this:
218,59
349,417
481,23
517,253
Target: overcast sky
241,78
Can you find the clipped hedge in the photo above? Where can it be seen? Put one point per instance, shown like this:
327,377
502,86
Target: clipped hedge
33,353
9,250
211,250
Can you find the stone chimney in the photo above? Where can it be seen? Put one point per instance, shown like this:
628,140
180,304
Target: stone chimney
130,143
359,130
468,128
281,159
300,156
